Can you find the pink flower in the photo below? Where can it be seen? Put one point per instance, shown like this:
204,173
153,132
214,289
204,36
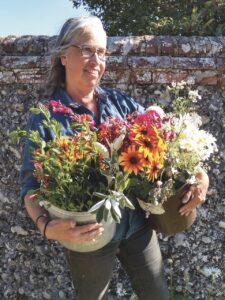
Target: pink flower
59,107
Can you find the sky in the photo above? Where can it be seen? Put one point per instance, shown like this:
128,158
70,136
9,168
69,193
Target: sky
35,17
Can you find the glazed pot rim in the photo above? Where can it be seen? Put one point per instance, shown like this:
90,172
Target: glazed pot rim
48,206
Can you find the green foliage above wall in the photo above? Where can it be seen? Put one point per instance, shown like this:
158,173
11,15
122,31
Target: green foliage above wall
159,17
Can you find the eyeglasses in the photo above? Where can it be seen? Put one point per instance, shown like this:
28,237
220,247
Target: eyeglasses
88,51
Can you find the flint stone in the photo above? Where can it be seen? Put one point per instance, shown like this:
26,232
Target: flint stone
179,239
222,224
19,230
207,271
206,240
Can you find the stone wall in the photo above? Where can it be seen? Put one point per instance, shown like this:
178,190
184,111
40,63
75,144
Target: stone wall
133,60
32,268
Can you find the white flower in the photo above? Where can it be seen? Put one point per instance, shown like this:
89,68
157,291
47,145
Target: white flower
194,95
159,183
191,139
179,85
174,84
191,80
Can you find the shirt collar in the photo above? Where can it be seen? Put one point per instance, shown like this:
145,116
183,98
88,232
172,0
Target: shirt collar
62,95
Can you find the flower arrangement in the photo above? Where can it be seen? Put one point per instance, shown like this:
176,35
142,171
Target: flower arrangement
166,150
76,171
147,156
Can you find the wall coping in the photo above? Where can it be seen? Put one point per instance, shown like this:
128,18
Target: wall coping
193,46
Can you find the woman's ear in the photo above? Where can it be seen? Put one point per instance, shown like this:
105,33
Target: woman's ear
63,60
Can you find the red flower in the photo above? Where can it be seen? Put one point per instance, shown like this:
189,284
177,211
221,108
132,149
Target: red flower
149,118
59,107
110,130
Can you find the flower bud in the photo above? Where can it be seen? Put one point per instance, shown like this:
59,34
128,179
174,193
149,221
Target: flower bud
102,149
118,142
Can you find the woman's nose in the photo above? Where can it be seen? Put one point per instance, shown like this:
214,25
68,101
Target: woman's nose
95,57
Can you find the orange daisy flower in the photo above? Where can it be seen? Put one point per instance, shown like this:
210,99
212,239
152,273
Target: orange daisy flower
131,160
153,170
145,161
138,131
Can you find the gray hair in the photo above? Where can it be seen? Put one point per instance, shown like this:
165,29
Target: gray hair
73,29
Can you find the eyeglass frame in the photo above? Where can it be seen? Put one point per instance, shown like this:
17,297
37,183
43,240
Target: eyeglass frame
81,48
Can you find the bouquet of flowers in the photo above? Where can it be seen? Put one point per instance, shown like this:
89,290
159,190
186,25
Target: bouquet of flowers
164,151
74,172
147,156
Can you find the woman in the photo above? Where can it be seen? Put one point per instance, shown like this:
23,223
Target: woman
78,64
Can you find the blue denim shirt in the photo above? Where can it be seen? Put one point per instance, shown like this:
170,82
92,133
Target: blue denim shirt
110,103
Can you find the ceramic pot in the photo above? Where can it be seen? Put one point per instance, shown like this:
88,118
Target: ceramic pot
83,218
171,222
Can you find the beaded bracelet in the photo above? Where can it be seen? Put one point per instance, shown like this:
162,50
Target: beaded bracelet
46,224
38,218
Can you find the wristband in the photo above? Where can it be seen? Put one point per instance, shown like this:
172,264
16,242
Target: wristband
38,218
46,224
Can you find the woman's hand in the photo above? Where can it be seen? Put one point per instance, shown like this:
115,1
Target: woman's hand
68,231
196,195
59,229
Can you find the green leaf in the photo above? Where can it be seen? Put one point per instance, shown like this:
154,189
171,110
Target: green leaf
100,195
43,144
120,182
97,206
35,110
105,214
128,203
15,135
99,214
115,216
34,136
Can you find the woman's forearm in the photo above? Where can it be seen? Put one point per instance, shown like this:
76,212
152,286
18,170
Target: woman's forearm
203,178
35,210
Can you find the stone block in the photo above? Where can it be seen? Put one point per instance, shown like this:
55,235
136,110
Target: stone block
206,77
116,62
220,64
119,77
169,76
146,62
126,45
25,76
168,45
152,45
7,77
192,63
141,77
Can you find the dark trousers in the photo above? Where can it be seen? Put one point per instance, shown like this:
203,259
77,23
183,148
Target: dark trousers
139,255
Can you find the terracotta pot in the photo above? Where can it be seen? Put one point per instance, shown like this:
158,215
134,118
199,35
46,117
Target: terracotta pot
171,221
83,218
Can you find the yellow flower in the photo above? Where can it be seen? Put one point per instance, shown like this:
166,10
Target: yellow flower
139,130
131,160
148,140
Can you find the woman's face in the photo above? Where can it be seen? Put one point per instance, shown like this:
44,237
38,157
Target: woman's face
83,72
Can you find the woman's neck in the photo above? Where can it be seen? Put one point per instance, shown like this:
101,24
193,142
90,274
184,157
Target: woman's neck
81,96
85,97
